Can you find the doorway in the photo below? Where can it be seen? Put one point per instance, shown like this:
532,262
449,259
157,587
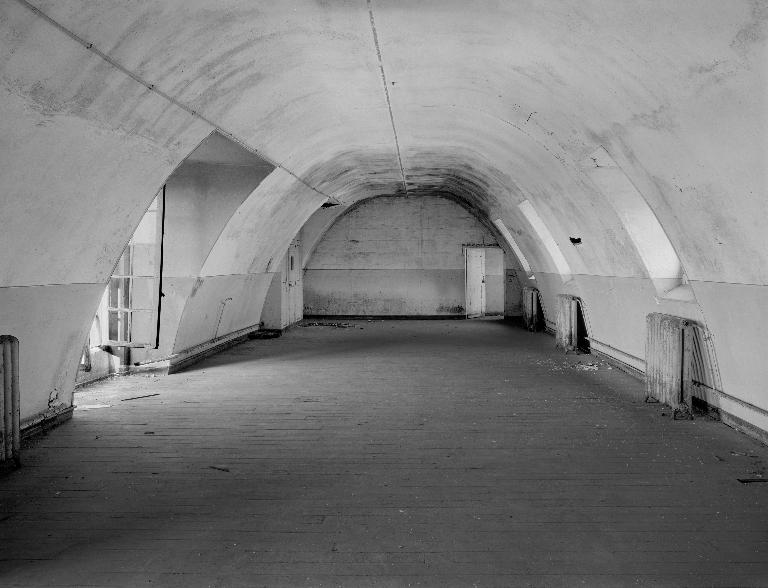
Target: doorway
293,287
474,281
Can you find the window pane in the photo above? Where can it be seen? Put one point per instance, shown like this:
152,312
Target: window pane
119,292
114,293
119,325
113,325
125,292
124,330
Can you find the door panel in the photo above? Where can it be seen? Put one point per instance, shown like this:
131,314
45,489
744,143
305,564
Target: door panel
474,258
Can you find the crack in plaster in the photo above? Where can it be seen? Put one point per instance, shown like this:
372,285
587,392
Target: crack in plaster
154,89
386,94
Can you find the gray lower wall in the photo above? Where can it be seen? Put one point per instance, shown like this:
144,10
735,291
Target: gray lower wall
384,292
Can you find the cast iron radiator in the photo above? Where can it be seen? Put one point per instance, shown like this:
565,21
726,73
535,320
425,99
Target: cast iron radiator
668,359
530,300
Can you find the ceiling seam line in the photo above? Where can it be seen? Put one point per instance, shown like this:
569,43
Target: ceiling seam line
167,97
386,93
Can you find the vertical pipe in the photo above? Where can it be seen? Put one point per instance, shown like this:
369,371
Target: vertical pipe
15,402
687,367
3,388
574,335
7,415
160,269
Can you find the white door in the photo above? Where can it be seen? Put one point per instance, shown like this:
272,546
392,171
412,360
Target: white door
293,284
474,284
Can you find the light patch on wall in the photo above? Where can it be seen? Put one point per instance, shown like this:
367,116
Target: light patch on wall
547,239
647,234
513,244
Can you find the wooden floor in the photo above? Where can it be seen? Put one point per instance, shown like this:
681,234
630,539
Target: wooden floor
420,453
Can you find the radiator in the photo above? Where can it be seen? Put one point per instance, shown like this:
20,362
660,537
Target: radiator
9,399
530,303
566,337
668,359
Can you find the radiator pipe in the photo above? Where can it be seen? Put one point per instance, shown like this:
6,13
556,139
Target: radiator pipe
11,382
7,403
16,403
160,270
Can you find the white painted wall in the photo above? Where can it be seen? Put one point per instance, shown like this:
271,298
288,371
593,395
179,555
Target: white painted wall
398,256
494,102
200,198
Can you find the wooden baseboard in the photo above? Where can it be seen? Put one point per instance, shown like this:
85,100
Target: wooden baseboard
184,359
44,423
384,317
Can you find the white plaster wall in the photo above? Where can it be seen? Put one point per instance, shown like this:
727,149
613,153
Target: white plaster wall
493,102
201,198
244,260
397,256
77,172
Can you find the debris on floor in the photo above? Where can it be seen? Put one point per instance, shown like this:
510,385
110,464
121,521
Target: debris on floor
91,406
328,324
265,334
557,366
584,366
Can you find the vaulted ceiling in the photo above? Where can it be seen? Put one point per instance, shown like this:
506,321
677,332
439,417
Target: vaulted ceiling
493,102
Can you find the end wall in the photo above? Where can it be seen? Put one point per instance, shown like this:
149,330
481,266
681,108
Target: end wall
395,256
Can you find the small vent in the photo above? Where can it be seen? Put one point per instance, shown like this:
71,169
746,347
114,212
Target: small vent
532,310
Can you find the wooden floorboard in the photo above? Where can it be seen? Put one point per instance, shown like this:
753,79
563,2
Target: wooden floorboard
390,453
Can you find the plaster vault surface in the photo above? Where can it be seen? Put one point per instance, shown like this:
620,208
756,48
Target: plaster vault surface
559,119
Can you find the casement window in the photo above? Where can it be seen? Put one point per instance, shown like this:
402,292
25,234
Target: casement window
133,291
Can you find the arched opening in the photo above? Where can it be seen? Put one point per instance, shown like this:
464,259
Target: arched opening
139,314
